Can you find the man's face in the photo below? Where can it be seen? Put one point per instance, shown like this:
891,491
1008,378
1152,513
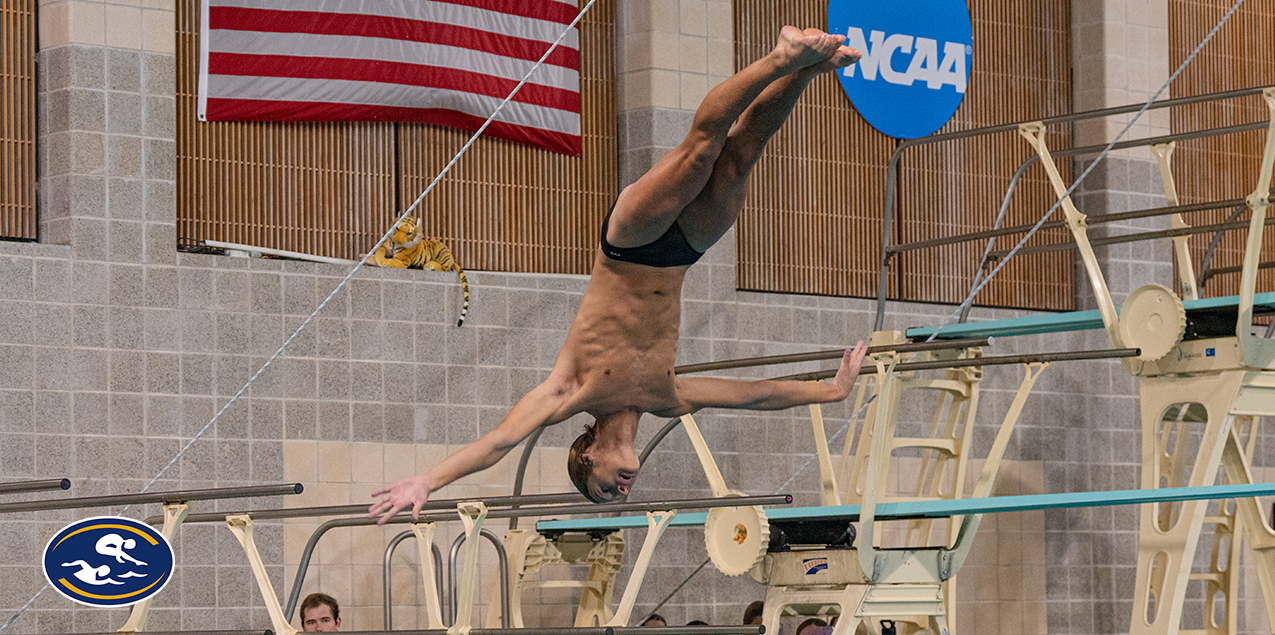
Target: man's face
613,475
319,620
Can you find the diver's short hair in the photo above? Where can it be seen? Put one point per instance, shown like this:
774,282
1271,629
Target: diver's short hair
579,466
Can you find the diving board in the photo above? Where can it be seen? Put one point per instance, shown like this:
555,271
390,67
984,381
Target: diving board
1204,373
893,582
1067,322
907,510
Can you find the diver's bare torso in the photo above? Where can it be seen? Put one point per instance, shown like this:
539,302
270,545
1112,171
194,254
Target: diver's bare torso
620,351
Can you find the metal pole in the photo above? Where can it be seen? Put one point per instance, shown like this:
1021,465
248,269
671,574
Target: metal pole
1095,219
389,590
308,552
1270,264
454,595
756,629
655,440
1111,353
18,487
187,633
1130,238
702,503
750,362
155,497
606,508
589,630
892,165
521,473
351,510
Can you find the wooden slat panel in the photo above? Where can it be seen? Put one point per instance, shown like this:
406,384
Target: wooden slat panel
330,188
813,220
1242,54
509,207
1021,71
17,119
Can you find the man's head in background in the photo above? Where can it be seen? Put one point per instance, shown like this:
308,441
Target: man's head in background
320,614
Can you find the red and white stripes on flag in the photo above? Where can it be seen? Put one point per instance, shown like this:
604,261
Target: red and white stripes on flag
443,62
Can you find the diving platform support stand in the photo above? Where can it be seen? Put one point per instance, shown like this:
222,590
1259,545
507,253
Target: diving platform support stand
911,585
1213,387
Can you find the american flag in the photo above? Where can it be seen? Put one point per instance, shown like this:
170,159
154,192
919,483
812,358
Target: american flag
443,62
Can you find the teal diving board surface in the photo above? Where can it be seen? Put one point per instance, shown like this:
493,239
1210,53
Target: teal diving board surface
944,508
1064,322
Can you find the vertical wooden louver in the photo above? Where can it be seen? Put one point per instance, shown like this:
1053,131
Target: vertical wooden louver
332,189
1241,55
813,220
1021,71
17,119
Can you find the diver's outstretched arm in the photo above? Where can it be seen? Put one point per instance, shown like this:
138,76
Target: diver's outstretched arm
541,407
710,392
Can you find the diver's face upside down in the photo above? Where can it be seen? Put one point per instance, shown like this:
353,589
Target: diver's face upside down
609,482
602,472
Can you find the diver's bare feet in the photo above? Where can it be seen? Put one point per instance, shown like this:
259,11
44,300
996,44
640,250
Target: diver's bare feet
799,49
843,57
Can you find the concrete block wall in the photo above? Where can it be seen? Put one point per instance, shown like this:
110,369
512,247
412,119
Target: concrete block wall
115,350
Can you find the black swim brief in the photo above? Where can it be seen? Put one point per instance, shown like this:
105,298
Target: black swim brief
669,250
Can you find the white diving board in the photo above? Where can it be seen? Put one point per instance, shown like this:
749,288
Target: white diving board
1064,322
943,508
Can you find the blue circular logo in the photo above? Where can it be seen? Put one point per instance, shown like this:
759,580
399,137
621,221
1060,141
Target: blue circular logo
108,561
915,65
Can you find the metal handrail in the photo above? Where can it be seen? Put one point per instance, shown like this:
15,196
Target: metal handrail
266,632
999,360
362,521
750,362
153,497
347,510
452,592
1095,218
389,590
577,630
20,487
1130,238
521,472
893,164
295,594
1269,264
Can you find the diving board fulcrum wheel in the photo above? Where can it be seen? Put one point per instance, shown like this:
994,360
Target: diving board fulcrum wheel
1153,319
736,537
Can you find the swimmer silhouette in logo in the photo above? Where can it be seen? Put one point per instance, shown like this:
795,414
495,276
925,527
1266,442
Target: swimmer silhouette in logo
111,546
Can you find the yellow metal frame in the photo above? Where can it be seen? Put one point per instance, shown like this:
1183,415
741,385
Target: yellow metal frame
1206,389
912,585
174,514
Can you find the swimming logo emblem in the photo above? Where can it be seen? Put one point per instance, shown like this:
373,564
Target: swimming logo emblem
108,561
916,61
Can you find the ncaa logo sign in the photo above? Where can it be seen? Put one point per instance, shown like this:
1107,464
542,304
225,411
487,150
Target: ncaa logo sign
915,65
108,561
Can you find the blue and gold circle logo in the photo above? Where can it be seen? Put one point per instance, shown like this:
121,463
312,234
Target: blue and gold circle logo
108,561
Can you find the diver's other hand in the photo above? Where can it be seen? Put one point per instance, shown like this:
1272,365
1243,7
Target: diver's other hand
848,373
412,491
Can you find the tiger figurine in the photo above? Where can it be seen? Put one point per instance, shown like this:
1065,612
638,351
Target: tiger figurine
406,250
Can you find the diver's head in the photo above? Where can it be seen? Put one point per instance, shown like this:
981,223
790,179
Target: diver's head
602,471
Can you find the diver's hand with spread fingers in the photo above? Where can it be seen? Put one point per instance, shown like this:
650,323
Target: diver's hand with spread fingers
848,372
412,491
